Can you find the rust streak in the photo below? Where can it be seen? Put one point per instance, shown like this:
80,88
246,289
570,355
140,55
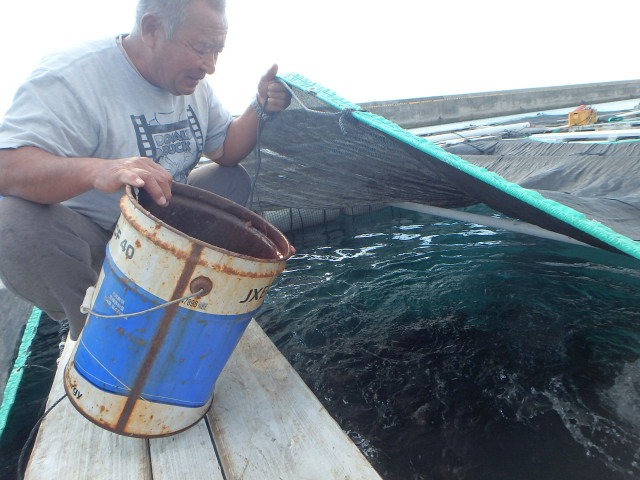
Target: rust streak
153,238
158,338
245,273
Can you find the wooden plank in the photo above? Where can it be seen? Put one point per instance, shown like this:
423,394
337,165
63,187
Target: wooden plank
267,424
69,446
187,455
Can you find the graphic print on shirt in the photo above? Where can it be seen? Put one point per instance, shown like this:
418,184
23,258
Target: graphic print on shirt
177,145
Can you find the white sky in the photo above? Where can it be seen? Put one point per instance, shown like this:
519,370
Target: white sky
365,50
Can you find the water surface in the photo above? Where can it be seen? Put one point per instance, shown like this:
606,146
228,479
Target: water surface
454,351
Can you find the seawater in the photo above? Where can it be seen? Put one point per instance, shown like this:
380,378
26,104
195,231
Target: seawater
30,399
449,350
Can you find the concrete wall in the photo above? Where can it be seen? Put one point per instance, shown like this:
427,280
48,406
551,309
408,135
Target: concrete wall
423,112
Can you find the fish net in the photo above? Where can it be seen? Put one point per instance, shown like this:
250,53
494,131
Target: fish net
324,156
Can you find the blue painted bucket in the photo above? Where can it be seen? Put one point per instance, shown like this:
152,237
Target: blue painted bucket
177,289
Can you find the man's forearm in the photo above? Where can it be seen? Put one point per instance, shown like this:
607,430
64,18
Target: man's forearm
240,138
34,174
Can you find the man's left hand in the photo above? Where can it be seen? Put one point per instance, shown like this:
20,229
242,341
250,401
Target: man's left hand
273,92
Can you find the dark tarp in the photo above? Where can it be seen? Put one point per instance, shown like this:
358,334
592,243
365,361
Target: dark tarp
601,181
324,153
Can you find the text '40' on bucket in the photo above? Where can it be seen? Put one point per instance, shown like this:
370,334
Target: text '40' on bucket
178,287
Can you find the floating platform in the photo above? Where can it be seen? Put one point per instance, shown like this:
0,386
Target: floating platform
264,424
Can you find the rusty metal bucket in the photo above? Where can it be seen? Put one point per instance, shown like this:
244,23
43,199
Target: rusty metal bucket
153,373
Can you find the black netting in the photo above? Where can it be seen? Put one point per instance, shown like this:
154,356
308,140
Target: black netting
323,160
317,158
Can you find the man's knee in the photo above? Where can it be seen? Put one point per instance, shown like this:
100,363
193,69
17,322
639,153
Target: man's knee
24,247
20,224
233,183
49,255
34,231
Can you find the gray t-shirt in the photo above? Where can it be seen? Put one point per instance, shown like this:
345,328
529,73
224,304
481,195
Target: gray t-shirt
91,102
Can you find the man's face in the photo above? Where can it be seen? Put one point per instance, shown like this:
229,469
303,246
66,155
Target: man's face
180,63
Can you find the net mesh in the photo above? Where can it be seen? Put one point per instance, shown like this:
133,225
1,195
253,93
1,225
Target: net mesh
325,155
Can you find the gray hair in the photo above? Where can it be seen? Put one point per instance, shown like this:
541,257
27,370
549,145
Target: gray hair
172,13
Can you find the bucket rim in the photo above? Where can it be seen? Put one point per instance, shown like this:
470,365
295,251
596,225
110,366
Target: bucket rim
266,229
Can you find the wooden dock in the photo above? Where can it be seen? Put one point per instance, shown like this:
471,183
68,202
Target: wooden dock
264,424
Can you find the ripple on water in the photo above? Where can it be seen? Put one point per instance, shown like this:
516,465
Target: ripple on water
450,350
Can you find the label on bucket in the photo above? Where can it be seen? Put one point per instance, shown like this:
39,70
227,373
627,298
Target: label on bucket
189,359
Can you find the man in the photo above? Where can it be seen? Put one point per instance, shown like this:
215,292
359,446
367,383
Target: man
132,110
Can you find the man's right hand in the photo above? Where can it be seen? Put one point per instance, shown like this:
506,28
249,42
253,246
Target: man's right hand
140,172
34,174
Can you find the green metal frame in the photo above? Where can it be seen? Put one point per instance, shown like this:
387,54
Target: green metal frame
11,389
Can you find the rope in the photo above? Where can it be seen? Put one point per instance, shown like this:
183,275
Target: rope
347,112
293,94
20,469
257,149
97,360
85,309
